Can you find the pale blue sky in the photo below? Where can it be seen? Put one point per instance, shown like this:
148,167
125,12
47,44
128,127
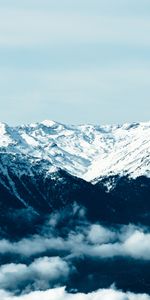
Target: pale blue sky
74,61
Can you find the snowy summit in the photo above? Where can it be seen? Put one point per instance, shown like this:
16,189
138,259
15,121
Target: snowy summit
85,151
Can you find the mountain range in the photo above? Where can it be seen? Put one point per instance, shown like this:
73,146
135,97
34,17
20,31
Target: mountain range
85,151
76,178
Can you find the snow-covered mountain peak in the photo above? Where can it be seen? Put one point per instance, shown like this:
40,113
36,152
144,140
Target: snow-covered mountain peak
5,137
49,123
130,154
86,151
2,127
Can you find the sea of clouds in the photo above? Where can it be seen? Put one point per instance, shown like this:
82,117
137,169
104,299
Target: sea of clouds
40,266
61,294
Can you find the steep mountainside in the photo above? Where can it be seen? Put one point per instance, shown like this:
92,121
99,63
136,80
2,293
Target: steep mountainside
78,196
43,168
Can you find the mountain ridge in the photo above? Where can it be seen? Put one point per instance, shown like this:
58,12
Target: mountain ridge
86,151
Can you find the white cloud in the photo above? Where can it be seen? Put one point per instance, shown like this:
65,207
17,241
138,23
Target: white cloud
138,245
92,240
40,274
99,235
31,246
61,294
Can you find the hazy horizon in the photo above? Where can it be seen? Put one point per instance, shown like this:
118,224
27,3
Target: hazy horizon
76,124
74,62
